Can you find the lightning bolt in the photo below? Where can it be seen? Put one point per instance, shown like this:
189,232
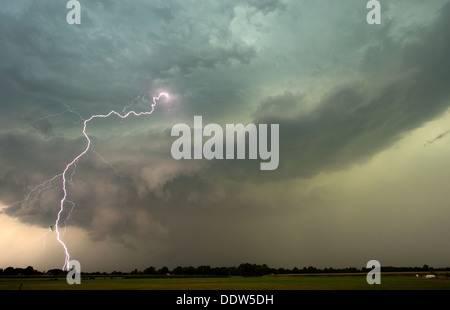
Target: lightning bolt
46,184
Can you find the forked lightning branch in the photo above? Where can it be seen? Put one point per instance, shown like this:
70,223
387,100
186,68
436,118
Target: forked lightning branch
71,166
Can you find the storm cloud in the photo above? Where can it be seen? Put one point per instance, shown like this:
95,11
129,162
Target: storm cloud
342,91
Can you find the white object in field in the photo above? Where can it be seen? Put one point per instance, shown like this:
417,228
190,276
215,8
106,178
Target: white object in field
430,276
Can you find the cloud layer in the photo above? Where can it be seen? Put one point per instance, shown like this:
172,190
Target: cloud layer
342,91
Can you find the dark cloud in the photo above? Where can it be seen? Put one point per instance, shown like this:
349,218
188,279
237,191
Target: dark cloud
340,90
355,121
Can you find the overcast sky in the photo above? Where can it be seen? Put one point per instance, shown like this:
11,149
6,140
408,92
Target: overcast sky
363,112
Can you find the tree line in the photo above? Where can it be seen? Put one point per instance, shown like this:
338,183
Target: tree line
245,269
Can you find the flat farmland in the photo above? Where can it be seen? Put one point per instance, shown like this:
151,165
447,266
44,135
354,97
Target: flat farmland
391,281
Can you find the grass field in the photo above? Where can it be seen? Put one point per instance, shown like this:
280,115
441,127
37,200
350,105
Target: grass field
393,281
